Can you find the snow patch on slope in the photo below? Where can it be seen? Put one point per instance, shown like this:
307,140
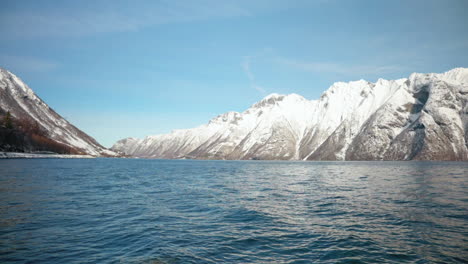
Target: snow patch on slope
292,127
22,102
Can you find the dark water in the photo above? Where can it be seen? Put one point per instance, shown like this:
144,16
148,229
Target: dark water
157,211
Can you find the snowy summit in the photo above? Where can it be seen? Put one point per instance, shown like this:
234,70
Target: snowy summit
421,117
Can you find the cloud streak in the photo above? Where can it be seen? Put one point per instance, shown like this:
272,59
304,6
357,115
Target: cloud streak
248,72
111,16
26,64
336,68
86,17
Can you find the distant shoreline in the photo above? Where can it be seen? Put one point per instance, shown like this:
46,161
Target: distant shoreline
21,155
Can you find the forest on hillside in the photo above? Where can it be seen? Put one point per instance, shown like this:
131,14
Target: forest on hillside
26,135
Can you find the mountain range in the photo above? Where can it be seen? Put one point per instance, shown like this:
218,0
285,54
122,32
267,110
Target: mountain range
422,117
28,124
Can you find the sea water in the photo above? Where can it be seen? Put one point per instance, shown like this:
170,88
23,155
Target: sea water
186,211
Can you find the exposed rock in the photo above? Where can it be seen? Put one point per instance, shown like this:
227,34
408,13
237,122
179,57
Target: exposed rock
424,117
52,132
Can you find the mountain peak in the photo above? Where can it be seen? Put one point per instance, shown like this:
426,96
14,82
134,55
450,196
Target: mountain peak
344,87
269,100
356,120
229,117
458,70
457,74
275,98
12,81
37,126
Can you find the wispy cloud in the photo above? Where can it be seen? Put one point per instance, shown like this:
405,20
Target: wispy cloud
86,17
246,66
26,64
269,56
337,68
111,16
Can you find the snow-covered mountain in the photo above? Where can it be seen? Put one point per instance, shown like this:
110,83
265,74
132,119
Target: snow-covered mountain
29,110
423,117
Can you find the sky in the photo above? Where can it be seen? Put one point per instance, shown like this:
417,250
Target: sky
118,69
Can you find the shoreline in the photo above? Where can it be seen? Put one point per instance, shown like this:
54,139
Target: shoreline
21,155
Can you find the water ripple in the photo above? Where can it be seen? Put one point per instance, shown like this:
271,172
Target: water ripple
163,211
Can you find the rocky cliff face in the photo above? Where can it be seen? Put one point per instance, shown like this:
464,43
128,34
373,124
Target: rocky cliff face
36,126
423,117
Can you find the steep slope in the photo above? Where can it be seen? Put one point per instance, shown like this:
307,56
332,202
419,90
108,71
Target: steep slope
270,129
28,110
422,117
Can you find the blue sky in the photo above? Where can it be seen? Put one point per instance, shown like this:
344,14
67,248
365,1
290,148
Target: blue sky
134,68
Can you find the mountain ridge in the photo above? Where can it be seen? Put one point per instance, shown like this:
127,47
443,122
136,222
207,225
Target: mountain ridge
358,120
37,127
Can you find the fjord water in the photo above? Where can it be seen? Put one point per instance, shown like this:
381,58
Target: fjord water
183,211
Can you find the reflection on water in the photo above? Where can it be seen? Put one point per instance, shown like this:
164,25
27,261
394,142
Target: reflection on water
160,211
